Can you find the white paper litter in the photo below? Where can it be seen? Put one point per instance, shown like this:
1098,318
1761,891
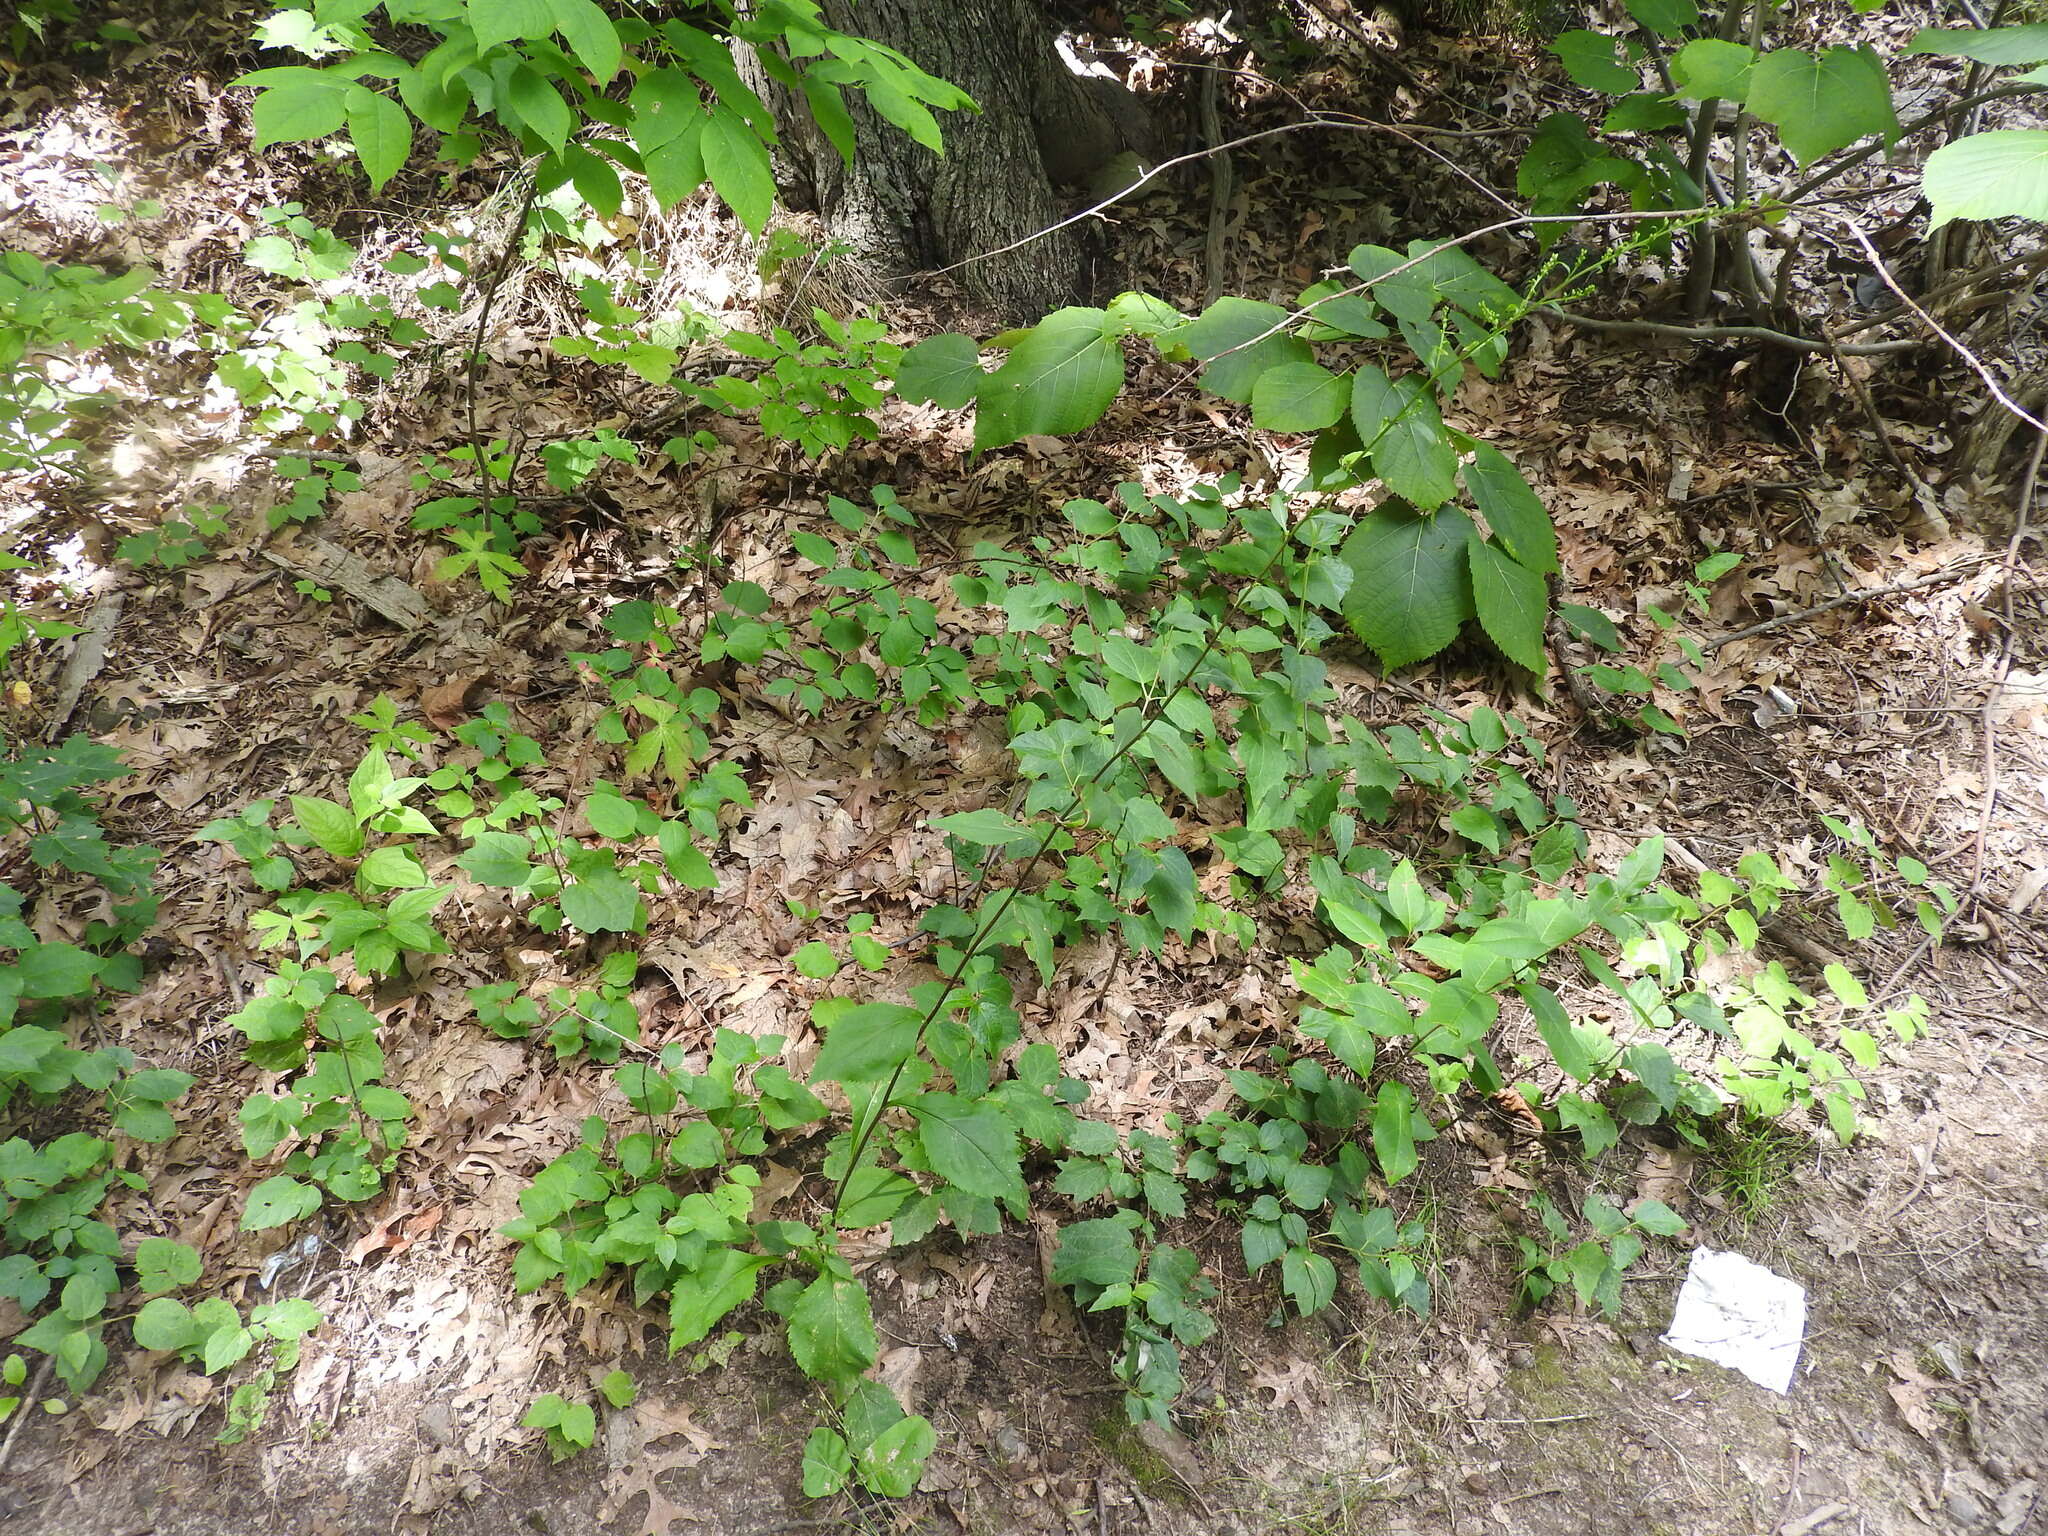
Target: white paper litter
1736,1313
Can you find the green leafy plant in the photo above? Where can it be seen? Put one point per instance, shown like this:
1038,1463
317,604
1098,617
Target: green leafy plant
537,74
570,1426
1656,144
213,1336
1161,670
177,541
54,1244
1416,569
50,314
1592,1266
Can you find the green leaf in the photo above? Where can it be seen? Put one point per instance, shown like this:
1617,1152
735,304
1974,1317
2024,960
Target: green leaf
1655,1216
1595,1126
1843,983
1518,519
1995,175
676,169
1298,397
498,858
972,1146
612,816
392,867
737,161
1058,379
502,21
277,1201
1397,283
892,1465
864,1043
334,827
308,104
56,970
1710,69
1589,58
590,36
605,902
225,1344
1821,104
1393,1132
539,105
873,1196
698,1302
166,1324
1655,1070
1409,589
942,370
1398,421
1555,1025
815,960
1098,1252
1991,45
1512,602
1643,112
1172,894
1590,624
984,828
598,185
1223,336
382,133
163,1264
831,1331
827,1463
666,103
1309,1279
1666,18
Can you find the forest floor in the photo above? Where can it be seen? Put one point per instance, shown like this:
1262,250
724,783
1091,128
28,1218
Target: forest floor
1921,1401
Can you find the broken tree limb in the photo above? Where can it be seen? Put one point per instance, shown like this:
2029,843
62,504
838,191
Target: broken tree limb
85,661
332,566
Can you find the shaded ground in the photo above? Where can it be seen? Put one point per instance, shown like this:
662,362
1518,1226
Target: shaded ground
1922,1402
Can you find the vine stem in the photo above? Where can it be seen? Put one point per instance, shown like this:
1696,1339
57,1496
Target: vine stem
872,1118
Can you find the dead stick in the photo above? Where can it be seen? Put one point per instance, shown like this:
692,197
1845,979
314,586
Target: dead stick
21,1411
1862,595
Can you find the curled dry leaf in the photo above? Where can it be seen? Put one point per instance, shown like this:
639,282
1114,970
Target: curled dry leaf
448,705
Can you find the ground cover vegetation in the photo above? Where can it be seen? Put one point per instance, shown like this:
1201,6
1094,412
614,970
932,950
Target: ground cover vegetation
1158,665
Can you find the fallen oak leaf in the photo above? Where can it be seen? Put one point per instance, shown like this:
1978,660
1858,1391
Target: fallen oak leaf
448,705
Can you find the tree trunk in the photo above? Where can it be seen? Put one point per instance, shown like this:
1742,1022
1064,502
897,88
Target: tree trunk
902,210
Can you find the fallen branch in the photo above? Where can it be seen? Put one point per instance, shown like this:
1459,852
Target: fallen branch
1862,595
1732,333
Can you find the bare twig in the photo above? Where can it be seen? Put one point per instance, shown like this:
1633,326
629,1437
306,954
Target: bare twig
1862,595
1732,333
1931,518
21,1410
1346,125
1977,364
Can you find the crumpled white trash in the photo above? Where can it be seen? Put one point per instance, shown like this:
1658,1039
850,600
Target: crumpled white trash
1734,1312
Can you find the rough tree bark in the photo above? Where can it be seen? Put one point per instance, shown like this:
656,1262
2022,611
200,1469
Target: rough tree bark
903,210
